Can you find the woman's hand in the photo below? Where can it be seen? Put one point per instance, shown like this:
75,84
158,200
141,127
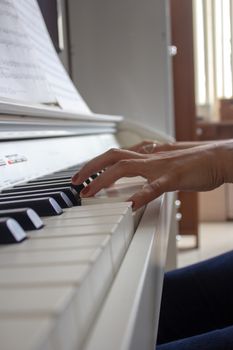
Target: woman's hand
199,168
149,146
145,147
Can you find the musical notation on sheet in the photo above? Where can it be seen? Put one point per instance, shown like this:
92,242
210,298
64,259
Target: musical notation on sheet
21,77
30,69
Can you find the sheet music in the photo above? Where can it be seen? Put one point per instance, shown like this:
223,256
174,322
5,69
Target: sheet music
67,95
35,73
21,77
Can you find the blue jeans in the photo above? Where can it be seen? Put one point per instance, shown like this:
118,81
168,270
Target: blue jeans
197,306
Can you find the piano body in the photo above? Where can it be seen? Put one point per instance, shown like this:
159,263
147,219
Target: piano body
92,280
77,277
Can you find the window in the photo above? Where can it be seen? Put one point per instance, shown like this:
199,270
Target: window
213,46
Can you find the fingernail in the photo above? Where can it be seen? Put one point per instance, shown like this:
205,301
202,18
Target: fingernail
132,203
75,177
84,191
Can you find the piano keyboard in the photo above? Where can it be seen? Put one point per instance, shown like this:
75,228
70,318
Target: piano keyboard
58,274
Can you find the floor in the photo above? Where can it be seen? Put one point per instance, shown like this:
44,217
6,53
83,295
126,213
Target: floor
215,238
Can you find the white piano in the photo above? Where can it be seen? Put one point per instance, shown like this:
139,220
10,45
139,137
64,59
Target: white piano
91,278
74,277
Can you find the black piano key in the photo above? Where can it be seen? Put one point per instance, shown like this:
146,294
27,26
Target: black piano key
11,231
70,192
26,217
43,206
44,183
61,174
94,176
60,197
49,183
30,187
79,187
68,171
50,179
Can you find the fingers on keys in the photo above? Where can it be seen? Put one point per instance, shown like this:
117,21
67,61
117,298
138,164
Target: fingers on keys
125,167
107,159
149,192
120,163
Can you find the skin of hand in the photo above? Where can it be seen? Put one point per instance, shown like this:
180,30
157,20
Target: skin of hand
199,168
150,146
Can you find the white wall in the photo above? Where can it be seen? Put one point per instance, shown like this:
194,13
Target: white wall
120,61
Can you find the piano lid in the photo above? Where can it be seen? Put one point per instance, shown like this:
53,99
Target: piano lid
24,120
34,85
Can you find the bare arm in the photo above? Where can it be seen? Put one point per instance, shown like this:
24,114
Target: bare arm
149,146
199,168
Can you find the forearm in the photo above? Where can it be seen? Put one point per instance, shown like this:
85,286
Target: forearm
189,144
225,159
151,147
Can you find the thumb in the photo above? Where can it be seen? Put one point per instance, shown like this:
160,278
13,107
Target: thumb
149,192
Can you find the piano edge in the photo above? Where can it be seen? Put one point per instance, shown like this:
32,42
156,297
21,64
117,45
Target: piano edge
131,321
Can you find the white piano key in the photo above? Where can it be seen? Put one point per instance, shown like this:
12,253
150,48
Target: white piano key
53,303
63,307
126,211
117,242
70,214
49,301
72,231
102,206
26,334
72,308
77,316
119,220
90,215
103,198
121,227
41,258
59,243
38,276
78,222
90,281
124,208
99,259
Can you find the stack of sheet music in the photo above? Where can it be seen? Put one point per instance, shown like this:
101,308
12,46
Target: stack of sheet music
30,70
